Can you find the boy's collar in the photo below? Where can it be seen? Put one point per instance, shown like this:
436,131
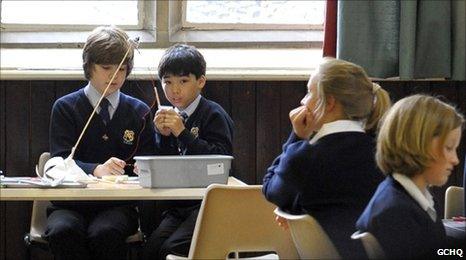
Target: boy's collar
94,95
192,107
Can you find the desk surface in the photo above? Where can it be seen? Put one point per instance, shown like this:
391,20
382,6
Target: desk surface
106,191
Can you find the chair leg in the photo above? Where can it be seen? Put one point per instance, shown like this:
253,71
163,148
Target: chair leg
27,243
30,244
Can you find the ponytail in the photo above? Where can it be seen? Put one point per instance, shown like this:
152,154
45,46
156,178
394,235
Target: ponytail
348,83
381,104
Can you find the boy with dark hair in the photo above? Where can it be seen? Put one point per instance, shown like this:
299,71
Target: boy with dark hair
122,128
196,126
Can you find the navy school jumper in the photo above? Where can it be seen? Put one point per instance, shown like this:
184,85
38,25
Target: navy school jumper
118,138
332,180
209,130
402,227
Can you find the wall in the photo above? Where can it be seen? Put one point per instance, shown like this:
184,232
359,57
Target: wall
258,108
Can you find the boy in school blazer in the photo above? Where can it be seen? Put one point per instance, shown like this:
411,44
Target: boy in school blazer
416,148
122,128
196,126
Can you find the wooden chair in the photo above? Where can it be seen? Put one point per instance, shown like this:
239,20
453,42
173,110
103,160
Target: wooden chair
311,241
237,219
371,245
39,221
454,202
38,216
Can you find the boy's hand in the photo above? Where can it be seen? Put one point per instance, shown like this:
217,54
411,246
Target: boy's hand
135,169
173,121
112,166
303,121
159,123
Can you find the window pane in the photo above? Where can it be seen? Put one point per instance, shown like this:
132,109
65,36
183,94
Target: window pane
70,12
255,12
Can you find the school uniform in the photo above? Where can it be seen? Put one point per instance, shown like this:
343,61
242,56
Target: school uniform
209,130
92,229
403,219
330,177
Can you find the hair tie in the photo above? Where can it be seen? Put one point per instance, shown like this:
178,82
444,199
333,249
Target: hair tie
375,87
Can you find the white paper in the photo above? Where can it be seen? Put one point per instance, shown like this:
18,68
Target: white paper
61,169
215,169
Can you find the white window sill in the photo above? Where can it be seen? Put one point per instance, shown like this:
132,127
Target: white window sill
222,64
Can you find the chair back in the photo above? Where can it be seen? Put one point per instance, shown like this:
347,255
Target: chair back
310,239
43,158
371,245
238,219
454,202
39,207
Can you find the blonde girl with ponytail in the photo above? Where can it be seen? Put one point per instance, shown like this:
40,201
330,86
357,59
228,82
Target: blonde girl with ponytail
327,167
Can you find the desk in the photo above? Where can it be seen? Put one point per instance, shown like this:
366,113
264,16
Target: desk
107,191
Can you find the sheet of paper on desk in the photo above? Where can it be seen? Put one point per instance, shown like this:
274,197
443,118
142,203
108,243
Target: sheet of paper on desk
116,179
34,182
132,180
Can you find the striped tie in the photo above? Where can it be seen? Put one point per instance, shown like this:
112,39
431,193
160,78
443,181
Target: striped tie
184,116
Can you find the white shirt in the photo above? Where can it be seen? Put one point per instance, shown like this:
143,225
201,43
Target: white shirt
93,95
424,198
338,127
191,108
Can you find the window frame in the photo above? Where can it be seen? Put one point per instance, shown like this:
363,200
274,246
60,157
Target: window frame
162,26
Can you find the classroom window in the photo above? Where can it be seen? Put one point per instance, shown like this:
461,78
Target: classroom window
161,23
258,14
46,15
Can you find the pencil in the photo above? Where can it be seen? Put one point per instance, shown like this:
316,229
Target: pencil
157,97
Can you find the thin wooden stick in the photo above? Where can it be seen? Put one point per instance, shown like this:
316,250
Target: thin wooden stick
157,97
70,157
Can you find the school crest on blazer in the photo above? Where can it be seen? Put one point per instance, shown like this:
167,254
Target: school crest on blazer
195,131
128,137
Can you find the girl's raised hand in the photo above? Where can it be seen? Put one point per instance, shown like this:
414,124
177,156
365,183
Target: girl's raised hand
303,121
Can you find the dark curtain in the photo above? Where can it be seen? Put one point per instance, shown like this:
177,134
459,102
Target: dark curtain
410,39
